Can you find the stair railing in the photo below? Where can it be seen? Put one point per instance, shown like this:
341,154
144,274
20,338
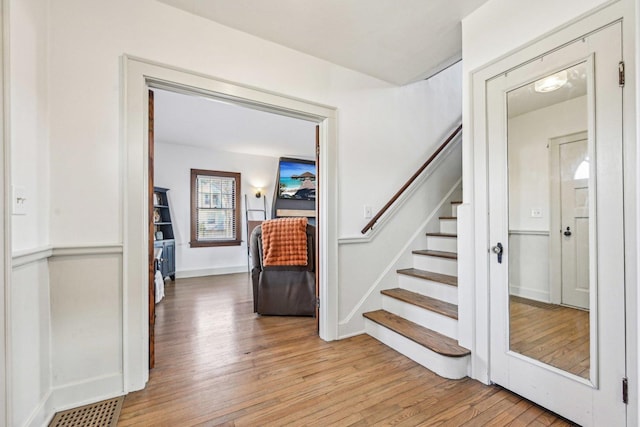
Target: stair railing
411,180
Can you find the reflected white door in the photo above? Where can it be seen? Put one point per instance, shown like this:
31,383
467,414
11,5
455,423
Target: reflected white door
574,206
596,401
574,195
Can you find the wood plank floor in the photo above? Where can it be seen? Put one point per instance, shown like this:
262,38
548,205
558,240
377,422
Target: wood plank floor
217,363
553,334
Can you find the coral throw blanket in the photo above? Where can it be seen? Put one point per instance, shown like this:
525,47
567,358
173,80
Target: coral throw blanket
284,241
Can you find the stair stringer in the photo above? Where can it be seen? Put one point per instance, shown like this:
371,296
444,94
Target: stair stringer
372,300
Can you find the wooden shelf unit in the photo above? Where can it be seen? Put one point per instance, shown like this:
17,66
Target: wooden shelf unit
163,233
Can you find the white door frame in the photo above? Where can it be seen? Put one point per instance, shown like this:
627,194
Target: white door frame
5,235
139,76
476,149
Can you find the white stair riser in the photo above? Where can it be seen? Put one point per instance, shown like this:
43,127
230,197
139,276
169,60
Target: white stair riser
454,210
447,367
449,226
436,264
429,288
446,244
425,318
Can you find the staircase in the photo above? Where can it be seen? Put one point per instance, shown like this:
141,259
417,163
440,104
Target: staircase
420,318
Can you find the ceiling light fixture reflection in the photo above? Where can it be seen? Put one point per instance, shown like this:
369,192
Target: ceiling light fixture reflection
552,82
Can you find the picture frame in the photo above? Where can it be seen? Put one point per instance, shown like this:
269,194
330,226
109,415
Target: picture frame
296,179
157,199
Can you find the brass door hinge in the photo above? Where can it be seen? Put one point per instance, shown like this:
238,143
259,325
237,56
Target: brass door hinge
621,73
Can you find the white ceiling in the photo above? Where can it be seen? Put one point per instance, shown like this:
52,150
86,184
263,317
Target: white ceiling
399,42
396,41
202,122
525,99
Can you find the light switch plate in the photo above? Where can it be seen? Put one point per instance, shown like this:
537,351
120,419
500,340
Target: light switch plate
19,200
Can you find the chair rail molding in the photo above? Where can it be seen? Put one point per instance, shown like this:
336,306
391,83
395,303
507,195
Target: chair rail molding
29,256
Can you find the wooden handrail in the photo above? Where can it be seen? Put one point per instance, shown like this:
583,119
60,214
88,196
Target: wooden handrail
406,185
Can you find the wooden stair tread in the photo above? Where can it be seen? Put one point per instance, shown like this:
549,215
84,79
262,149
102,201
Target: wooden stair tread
441,254
430,275
423,301
456,203
448,217
442,234
432,340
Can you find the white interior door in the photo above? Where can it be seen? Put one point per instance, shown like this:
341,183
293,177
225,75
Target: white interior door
574,207
522,119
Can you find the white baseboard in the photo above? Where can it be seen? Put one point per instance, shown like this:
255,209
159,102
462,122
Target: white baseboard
528,293
43,413
85,392
351,334
183,274
74,395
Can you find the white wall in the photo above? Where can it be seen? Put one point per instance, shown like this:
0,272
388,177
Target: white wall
30,318
28,90
30,330
173,164
371,266
84,302
529,136
88,39
529,185
373,114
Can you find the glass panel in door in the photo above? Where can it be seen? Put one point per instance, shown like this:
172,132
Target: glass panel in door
549,228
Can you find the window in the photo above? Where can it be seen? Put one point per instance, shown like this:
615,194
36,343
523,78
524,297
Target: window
215,208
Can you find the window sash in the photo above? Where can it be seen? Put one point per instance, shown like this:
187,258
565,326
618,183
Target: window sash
215,208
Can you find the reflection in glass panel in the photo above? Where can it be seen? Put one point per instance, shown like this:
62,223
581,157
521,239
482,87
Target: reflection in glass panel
549,187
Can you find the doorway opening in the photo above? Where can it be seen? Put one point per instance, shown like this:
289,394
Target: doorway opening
141,75
220,141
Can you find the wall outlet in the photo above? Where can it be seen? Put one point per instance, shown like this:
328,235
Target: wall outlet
19,200
536,213
368,212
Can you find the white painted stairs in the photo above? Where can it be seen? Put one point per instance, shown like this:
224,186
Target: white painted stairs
420,318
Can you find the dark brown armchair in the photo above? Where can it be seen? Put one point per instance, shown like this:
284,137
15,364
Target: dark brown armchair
283,290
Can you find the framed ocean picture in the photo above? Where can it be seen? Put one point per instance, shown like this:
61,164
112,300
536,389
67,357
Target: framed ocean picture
296,179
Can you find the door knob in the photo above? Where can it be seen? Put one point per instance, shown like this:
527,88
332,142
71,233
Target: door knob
498,250
567,232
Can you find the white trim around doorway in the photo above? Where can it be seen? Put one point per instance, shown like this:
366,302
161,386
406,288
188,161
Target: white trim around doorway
138,76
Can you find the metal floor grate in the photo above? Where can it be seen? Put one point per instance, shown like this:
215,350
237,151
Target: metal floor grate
100,414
